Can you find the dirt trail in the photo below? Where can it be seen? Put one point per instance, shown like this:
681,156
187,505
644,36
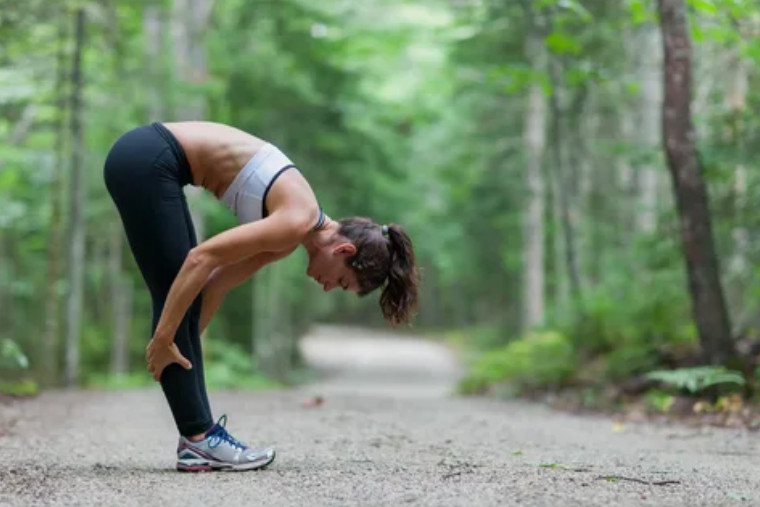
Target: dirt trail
387,434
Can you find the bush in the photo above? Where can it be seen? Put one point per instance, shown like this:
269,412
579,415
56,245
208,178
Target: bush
229,366
477,338
649,314
13,367
631,326
226,366
12,358
626,362
535,361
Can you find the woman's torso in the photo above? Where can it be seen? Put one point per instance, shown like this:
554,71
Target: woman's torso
216,154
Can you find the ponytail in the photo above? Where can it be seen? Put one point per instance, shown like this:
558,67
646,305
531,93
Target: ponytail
384,258
398,300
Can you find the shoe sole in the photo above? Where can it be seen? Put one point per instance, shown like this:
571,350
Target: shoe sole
221,467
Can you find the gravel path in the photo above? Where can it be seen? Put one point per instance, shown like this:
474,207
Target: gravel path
386,434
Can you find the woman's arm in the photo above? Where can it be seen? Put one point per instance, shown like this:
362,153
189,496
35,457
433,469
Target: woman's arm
279,232
223,279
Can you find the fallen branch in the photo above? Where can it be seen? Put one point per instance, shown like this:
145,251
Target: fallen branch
613,478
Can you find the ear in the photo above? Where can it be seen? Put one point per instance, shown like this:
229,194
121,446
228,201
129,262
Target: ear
345,249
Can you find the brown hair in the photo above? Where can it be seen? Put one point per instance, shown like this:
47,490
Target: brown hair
384,255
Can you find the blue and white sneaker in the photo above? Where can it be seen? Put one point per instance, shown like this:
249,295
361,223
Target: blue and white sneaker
220,451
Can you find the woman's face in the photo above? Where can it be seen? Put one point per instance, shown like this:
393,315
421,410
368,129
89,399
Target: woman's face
327,265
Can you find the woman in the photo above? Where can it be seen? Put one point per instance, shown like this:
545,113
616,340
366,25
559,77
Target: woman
277,210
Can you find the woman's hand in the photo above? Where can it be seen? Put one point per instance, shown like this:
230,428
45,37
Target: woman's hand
160,354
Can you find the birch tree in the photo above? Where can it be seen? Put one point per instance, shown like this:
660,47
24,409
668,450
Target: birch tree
534,136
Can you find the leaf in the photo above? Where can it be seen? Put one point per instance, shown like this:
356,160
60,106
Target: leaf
562,43
696,379
11,356
704,6
640,12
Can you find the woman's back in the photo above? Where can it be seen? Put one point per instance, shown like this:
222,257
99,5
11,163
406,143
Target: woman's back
215,152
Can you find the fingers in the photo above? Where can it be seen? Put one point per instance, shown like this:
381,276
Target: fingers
154,371
182,361
159,358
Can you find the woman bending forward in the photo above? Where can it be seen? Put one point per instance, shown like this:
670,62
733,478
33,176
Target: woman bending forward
278,211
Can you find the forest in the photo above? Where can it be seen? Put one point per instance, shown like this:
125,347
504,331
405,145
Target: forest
576,175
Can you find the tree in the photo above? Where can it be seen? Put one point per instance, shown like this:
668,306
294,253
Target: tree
77,225
51,341
708,305
533,216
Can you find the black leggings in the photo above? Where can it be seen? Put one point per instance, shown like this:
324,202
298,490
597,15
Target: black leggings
144,173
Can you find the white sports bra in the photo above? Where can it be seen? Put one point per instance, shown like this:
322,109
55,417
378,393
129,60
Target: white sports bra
247,194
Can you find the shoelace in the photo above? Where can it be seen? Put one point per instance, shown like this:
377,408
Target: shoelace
220,435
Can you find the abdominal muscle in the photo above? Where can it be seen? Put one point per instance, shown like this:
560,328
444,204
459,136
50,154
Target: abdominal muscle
215,152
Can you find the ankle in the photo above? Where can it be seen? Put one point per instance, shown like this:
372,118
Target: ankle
197,438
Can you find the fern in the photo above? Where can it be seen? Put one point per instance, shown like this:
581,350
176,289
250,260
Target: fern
698,378
11,356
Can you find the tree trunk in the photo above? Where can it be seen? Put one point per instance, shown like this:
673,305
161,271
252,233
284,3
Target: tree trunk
534,137
708,304
120,294
6,318
625,180
649,75
189,22
587,122
563,184
120,298
153,28
77,235
262,347
575,123
736,100
739,269
280,329
50,340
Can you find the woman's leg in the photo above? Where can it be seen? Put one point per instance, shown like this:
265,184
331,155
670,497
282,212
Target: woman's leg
195,318
141,176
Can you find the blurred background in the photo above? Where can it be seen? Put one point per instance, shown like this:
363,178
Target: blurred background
519,142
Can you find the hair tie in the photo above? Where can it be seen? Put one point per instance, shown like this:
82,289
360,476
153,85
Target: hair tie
384,230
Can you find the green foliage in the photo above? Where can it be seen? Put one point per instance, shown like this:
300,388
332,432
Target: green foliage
131,380
12,358
631,325
229,366
477,338
658,400
697,379
26,387
536,360
409,112
629,360
226,366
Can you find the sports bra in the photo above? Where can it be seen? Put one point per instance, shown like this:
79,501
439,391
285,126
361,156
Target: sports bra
247,194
